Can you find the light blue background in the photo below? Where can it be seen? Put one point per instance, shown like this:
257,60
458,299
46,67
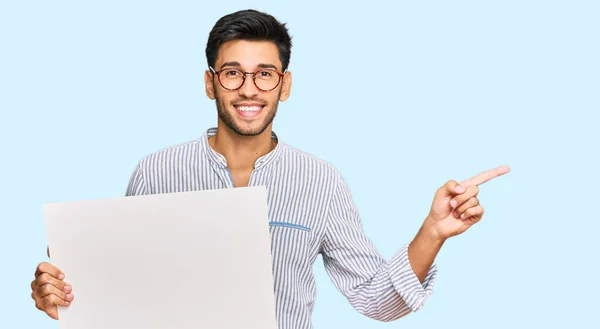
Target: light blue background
399,97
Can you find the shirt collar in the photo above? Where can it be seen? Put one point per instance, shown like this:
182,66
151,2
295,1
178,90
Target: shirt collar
220,160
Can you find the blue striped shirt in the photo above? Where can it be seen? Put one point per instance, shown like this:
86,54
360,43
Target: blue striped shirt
311,213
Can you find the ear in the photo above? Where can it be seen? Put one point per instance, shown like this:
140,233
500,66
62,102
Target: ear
208,82
286,87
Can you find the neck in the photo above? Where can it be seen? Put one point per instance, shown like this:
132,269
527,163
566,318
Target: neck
241,152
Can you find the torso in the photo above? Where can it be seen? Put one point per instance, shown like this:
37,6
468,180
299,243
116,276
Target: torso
299,189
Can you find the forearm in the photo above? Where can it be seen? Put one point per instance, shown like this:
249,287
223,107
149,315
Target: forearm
423,250
386,292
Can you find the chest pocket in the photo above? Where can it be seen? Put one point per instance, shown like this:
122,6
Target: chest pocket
290,244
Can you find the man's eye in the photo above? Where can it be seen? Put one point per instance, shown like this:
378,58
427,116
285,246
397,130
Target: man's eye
232,73
265,74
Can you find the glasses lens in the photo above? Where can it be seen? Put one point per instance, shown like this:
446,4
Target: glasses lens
231,78
266,79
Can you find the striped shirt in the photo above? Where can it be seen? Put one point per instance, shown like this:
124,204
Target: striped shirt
311,213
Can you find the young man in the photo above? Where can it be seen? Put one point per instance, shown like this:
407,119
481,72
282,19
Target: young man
311,210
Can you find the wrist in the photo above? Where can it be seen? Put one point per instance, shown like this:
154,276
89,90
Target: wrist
429,233
423,249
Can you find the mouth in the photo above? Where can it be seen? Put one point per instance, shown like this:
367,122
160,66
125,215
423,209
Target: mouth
249,109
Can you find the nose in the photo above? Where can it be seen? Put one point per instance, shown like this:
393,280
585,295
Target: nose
248,89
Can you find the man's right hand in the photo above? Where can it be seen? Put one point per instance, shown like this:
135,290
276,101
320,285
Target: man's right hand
48,289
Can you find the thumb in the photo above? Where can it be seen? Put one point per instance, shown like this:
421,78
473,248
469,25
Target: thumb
53,312
451,188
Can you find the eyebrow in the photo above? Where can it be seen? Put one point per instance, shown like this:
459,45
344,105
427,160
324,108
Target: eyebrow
261,65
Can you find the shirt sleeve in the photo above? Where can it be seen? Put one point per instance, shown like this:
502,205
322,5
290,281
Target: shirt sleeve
137,185
380,289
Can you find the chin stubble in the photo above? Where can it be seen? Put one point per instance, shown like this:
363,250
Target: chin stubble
227,117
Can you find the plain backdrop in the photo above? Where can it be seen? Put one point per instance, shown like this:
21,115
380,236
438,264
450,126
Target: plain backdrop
400,97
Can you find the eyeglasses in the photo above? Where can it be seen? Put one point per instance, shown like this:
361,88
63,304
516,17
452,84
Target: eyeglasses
233,79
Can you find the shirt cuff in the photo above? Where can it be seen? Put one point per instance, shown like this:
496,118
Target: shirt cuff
407,284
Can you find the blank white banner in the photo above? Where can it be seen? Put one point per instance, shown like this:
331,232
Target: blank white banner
184,260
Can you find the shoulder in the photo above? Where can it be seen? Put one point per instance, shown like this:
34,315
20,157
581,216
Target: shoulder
308,162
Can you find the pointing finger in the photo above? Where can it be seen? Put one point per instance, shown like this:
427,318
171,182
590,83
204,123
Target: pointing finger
485,176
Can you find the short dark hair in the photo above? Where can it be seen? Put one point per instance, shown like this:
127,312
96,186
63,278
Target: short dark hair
249,25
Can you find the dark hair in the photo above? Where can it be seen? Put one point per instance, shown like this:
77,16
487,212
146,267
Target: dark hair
249,25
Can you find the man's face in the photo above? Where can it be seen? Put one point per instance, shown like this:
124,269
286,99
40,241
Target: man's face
247,111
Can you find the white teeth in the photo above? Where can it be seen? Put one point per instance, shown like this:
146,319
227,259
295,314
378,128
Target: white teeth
248,108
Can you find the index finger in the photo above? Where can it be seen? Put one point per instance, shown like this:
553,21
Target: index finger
485,176
46,279
50,269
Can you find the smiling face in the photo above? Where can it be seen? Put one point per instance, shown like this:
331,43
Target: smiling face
247,111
